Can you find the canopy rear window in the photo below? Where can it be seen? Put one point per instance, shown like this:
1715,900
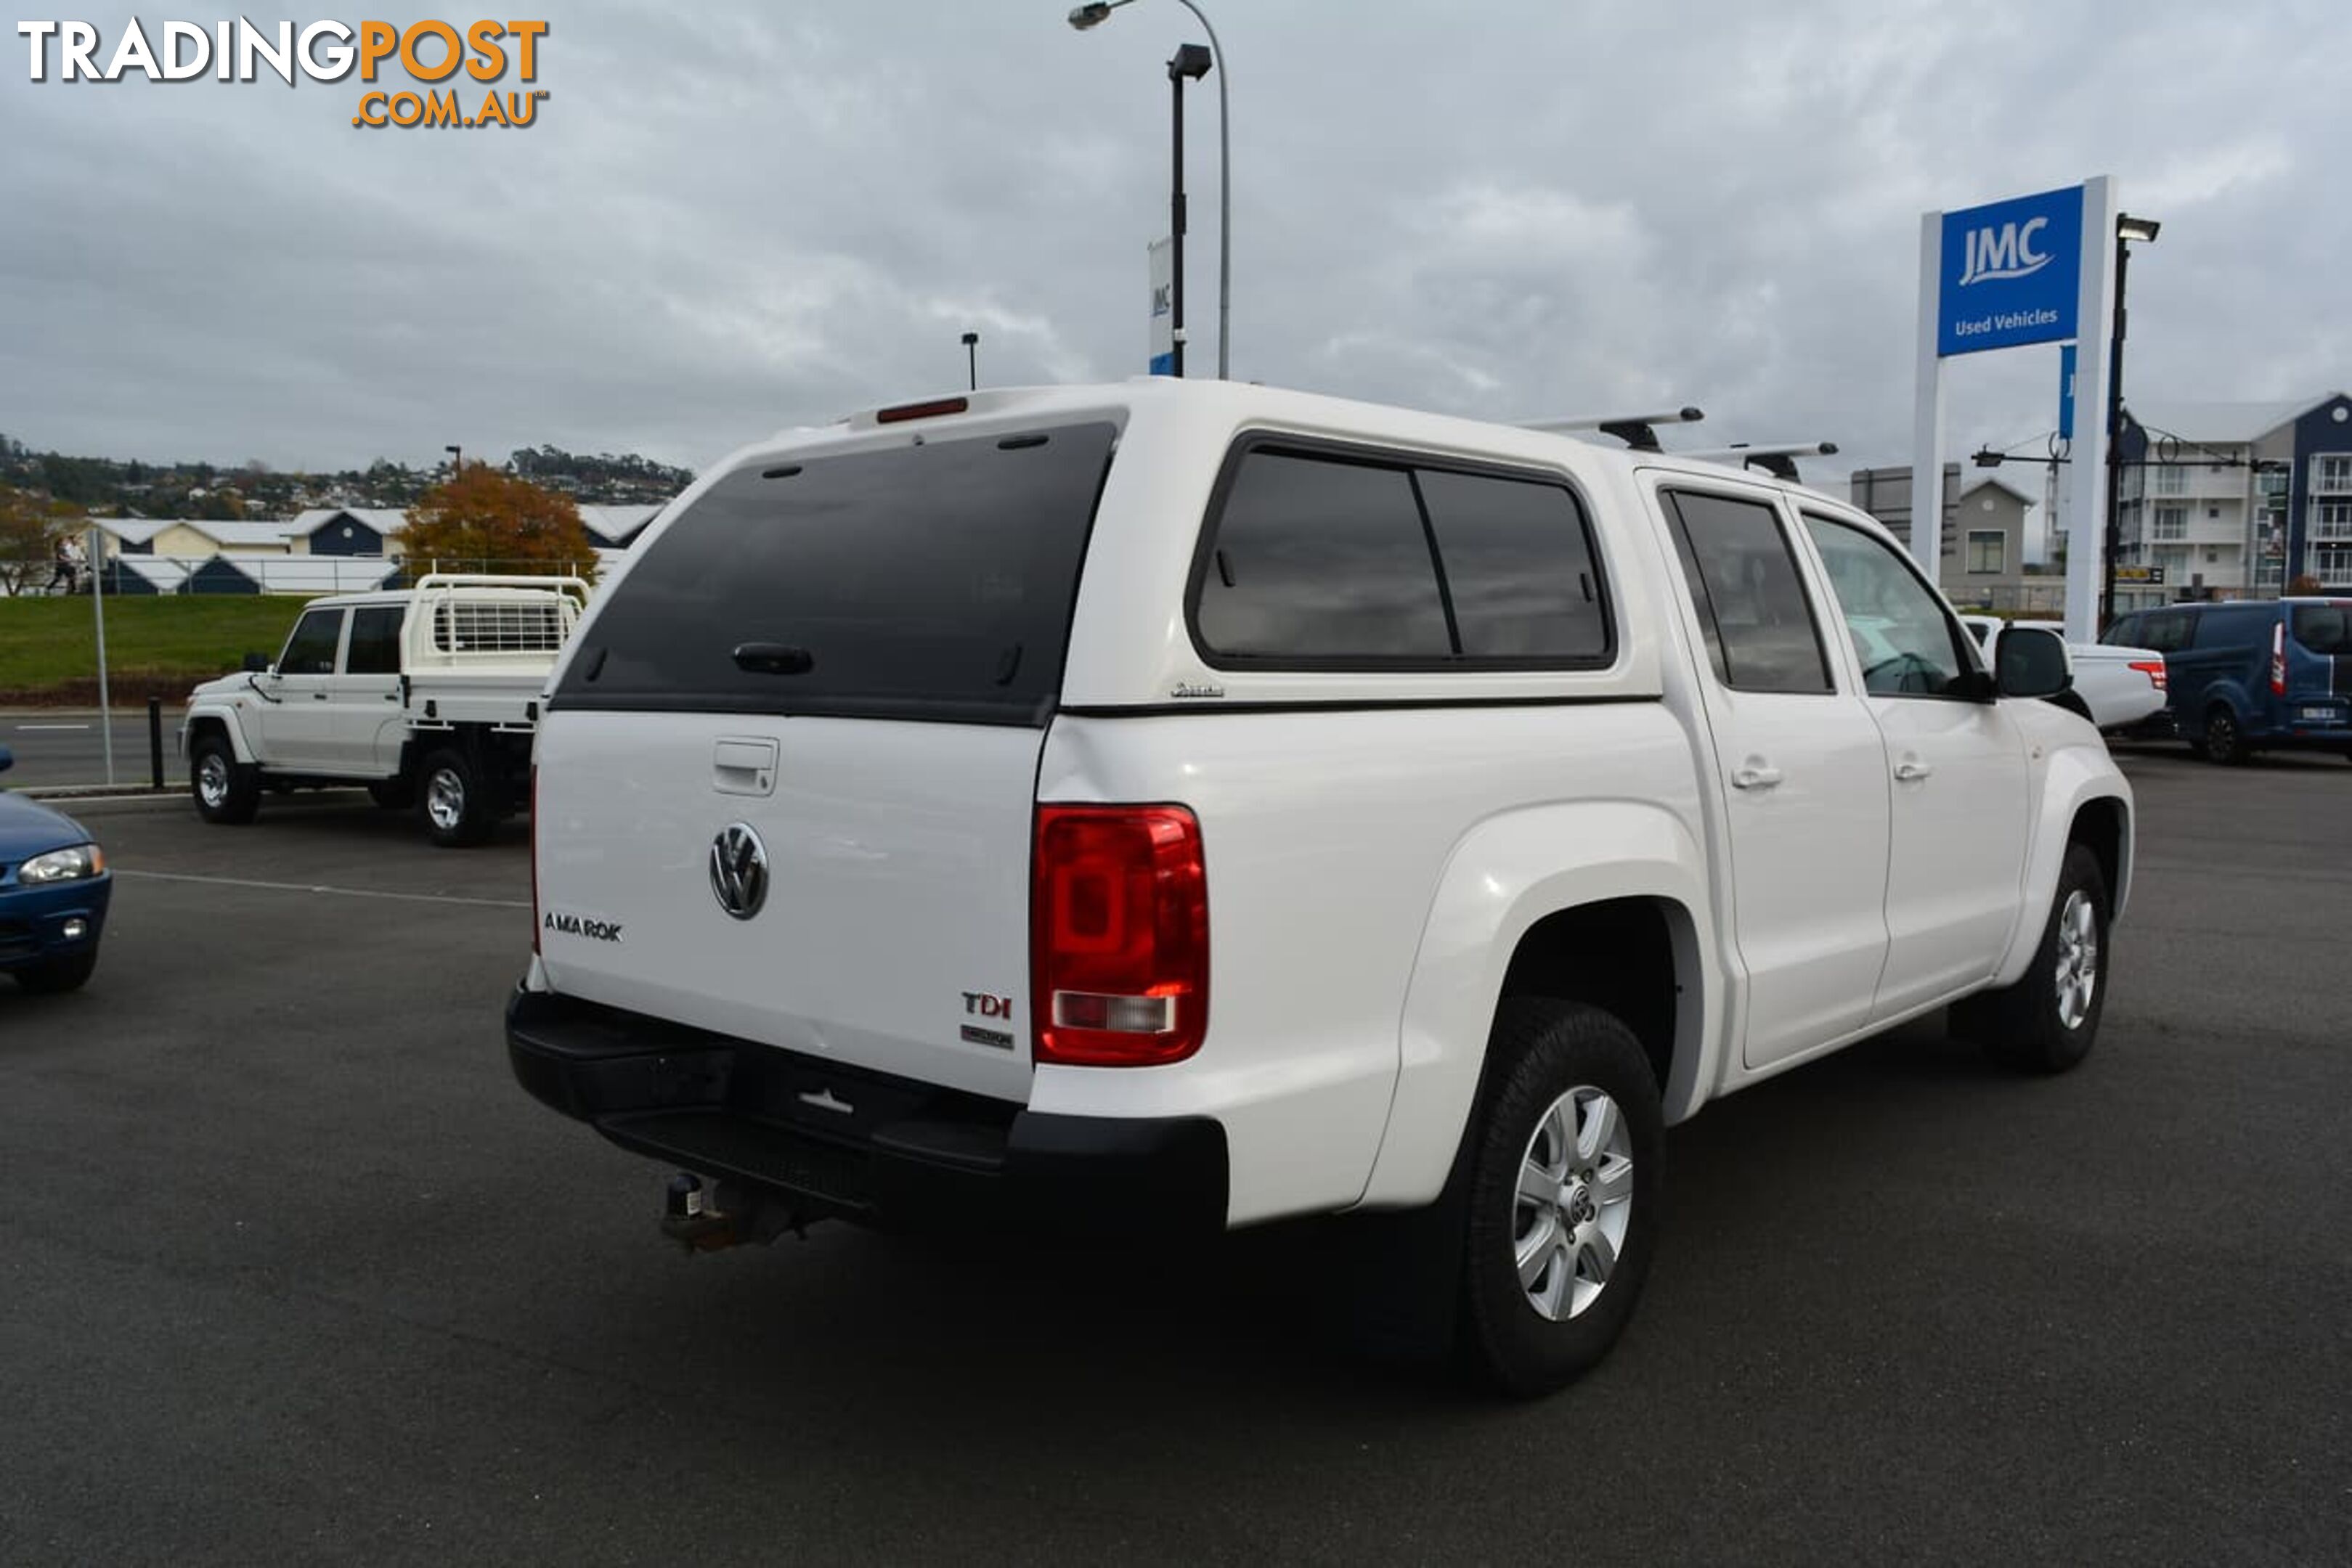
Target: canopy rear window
930,581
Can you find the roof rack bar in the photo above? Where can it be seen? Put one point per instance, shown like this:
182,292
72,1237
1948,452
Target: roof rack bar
1778,459
1636,430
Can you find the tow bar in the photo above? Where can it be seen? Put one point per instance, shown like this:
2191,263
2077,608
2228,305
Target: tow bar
706,1218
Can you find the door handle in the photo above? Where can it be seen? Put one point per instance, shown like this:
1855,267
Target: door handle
1755,774
318,696
1910,770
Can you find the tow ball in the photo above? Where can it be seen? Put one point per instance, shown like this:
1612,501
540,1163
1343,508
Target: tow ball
706,1218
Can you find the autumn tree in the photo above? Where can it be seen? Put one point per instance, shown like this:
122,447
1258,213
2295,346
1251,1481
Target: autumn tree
480,519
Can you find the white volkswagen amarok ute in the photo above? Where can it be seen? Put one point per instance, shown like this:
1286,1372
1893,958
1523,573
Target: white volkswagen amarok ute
1176,806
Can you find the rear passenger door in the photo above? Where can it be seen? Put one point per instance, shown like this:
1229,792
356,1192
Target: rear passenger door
366,700
1804,772
1955,768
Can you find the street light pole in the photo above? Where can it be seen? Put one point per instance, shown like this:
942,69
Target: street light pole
2127,228
972,356
1093,16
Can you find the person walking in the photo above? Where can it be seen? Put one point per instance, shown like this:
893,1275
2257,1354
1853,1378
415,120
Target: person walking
66,563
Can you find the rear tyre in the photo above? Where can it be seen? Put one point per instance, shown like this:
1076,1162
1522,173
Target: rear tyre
2225,743
454,799
1562,1195
2047,1022
224,789
54,975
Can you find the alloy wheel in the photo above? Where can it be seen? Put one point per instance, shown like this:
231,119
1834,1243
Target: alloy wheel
1574,1202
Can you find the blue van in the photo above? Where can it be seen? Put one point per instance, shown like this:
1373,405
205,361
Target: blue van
2255,675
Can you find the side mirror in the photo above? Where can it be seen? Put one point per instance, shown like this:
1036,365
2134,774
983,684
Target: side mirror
2028,662
8,760
257,664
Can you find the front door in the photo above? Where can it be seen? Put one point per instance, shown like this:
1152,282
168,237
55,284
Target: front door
1803,776
297,714
1955,765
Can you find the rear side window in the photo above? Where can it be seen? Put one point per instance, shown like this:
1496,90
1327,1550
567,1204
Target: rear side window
2323,628
375,641
1321,560
2231,627
1317,558
1760,634
918,582
311,650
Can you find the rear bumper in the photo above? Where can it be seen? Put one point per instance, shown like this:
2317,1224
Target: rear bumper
864,1146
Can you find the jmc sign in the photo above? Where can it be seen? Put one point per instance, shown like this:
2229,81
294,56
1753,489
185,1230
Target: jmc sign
2032,269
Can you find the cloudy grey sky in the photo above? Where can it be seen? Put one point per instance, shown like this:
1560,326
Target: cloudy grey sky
734,217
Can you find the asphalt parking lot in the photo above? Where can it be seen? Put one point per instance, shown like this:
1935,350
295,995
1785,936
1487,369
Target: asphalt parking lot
290,1268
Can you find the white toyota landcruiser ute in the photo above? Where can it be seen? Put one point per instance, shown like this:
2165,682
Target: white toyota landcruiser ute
1185,805
427,695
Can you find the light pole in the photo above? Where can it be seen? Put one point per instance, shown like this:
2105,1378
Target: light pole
972,356
1093,16
2128,229
1192,61
456,459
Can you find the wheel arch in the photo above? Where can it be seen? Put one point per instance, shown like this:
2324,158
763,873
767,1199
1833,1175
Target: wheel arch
223,722
1600,902
2082,802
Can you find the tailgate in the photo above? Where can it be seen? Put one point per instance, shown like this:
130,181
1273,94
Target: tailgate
787,780
875,913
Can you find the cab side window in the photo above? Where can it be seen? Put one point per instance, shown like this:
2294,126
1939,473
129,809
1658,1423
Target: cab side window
1908,643
311,650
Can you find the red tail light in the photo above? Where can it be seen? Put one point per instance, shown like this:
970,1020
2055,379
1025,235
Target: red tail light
2278,659
2155,672
1119,937
535,860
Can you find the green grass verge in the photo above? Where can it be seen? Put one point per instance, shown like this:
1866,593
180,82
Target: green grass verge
48,647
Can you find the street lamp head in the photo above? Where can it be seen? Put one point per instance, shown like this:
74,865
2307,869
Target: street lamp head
970,338
1191,60
1988,458
2132,228
1087,16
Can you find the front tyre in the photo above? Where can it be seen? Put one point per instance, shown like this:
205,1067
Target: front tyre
224,789
454,799
1562,1195
2047,1022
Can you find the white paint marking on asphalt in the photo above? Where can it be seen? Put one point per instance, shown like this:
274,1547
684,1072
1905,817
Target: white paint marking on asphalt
26,729
313,887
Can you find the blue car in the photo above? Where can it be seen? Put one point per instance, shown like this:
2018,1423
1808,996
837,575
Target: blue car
54,885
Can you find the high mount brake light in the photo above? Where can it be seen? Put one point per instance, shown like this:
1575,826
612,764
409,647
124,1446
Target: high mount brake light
932,410
1119,944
